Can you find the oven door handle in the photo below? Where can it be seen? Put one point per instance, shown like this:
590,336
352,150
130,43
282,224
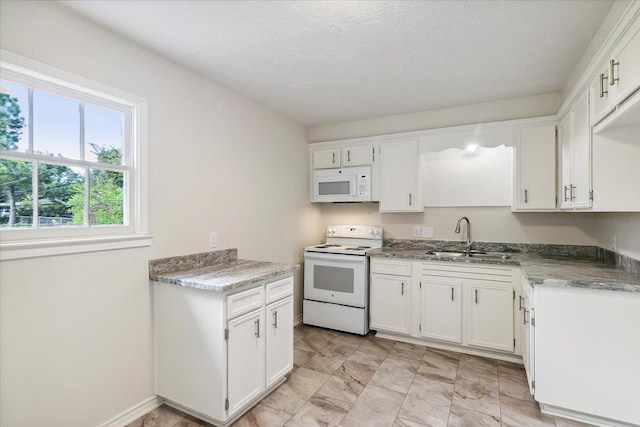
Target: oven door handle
320,256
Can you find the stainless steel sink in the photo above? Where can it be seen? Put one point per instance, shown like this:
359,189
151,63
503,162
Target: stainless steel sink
445,253
472,254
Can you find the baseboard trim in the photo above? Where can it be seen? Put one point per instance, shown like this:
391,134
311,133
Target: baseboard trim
297,320
514,358
134,412
582,417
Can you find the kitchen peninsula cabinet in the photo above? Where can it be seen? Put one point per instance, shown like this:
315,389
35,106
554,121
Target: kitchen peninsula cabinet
400,183
223,332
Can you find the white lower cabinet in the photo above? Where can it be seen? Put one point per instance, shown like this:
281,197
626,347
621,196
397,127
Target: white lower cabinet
279,325
446,303
218,353
390,303
245,355
441,314
491,316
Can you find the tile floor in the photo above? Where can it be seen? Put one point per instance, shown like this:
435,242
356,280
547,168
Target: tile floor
350,381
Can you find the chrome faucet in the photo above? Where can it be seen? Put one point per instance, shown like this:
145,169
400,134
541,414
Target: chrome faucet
469,242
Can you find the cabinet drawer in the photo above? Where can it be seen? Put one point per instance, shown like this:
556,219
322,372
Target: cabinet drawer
244,302
279,289
396,268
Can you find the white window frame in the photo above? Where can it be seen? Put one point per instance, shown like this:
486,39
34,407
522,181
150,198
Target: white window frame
28,243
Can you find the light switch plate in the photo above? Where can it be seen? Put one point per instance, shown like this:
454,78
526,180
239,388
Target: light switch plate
213,239
427,232
417,232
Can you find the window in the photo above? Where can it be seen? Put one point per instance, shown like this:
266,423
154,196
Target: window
70,158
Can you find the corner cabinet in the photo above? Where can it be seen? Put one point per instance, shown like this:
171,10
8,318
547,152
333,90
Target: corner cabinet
218,353
534,160
574,134
400,189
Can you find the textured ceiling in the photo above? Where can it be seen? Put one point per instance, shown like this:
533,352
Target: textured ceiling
323,62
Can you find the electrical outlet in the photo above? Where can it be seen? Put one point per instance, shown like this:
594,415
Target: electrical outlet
427,232
614,243
213,239
417,231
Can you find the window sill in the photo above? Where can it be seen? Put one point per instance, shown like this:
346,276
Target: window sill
43,248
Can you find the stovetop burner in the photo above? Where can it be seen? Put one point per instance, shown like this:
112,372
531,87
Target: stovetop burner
326,246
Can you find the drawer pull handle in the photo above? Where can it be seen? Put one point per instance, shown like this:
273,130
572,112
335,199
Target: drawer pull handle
452,293
334,158
275,319
348,155
476,296
402,288
257,322
524,316
526,196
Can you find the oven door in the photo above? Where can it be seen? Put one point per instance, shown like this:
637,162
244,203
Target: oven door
340,279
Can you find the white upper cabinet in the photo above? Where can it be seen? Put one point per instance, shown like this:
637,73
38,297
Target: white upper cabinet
346,156
357,156
574,134
326,158
599,94
535,178
400,189
624,65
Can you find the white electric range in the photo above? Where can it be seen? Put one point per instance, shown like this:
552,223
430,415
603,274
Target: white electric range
336,279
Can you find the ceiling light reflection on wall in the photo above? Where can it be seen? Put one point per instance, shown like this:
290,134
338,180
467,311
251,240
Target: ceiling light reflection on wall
471,147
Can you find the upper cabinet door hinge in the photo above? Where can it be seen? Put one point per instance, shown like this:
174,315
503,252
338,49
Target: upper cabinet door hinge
591,195
514,294
533,321
420,285
373,150
226,333
226,404
420,327
514,343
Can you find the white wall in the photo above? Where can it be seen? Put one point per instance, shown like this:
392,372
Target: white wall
625,226
508,109
76,331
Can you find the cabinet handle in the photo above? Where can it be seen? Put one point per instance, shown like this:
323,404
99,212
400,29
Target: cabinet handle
526,196
565,193
520,302
409,199
476,296
257,322
402,288
334,158
275,319
452,293
612,78
571,192
348,155
524,316
602,85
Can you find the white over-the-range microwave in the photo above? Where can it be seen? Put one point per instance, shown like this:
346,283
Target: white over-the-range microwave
342,185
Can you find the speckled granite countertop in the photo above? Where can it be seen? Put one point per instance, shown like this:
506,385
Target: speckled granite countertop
217,271
560,271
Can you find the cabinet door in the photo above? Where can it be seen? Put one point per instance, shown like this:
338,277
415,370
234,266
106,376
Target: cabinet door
599,95
581,154
326,158
279,339
245,359
357,156
390,303
491,317
399,178
528,343
441,315
627,71
535,167
564,137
